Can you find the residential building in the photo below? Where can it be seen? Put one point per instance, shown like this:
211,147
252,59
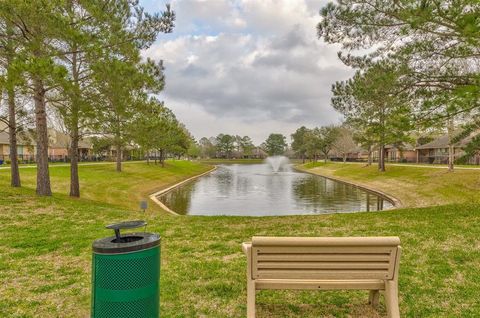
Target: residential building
259,153
403,153
25,147
436,151
356,154
59,146
58,149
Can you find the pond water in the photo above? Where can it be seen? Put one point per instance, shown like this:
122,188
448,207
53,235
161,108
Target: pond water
256,190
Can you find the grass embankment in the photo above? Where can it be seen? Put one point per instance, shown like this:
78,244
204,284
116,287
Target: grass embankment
100,182
45,251
413,186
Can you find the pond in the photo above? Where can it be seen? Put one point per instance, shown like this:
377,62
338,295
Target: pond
257,190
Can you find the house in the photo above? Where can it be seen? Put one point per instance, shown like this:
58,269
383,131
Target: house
259,153
355,154
403,153
397,153
25,147
59,146
127,153
436,151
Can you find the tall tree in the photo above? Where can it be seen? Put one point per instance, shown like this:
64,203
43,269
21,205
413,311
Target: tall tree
299,142
207,148
10,80
194,150
375,101
275,144
324,139
38,30
72,99
247,146
225,144
439,42
121,83
155,127
119,76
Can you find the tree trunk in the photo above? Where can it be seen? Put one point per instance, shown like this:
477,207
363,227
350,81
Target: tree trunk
74,180
451,158
43,175
162,159
369,163
381,158
119,157
451,148
12,119
344,158
12,130
303,158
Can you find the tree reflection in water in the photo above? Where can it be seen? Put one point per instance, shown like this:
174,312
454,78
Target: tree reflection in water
255,190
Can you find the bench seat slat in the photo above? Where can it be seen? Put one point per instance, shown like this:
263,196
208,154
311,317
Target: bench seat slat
265,250
324,257
326,241
319,284
322,265
321,274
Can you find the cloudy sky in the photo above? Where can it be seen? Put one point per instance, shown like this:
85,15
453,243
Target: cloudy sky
247,67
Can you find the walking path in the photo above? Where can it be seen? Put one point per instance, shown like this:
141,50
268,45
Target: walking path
80,164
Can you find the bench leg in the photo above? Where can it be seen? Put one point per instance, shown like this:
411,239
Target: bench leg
391,299
373,298
250,298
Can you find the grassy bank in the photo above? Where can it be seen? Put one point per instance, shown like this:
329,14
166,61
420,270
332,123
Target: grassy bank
413,186
100,182
45,251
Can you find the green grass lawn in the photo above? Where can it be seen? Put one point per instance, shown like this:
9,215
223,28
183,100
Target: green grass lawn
100,182
45,250
413,186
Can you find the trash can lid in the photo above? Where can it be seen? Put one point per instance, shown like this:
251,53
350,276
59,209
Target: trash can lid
127,243
126,225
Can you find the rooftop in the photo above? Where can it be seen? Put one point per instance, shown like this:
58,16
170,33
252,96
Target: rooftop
442,142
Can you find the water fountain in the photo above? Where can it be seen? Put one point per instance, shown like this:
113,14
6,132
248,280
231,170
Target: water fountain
278,163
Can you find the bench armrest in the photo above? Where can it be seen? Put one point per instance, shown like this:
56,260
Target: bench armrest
246,247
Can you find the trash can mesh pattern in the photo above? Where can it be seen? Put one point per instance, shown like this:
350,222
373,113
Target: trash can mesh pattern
141,308
128,270
126,284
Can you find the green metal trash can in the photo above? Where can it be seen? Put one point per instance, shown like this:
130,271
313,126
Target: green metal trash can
126,274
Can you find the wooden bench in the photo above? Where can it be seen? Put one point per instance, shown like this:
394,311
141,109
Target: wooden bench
324,263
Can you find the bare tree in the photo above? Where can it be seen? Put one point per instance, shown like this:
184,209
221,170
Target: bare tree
344,143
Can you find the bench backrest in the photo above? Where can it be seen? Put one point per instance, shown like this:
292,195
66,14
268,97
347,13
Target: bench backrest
341,258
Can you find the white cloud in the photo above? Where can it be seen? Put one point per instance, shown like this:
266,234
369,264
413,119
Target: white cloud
248,67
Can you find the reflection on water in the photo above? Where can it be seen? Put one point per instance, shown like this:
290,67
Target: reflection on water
255,190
